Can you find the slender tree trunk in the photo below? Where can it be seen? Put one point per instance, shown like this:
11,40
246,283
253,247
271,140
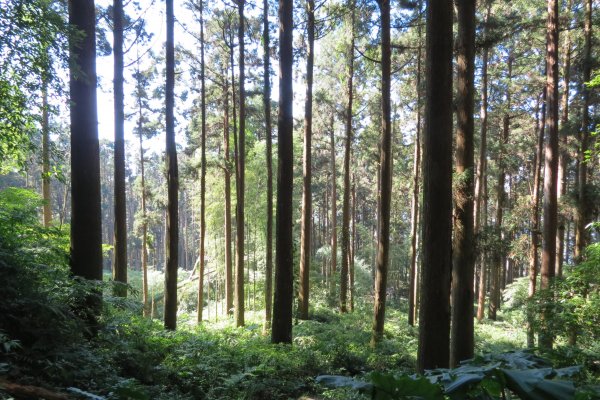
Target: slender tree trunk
120,239
269,158
203,169
86,215
563,145
333,212
499,258
385,163
284,272
145,310
46,155
582,213
434,315
241,172
353,244
482,168
227,175
347,149
172,227
303,293
535,217
547,268
412,279
462,335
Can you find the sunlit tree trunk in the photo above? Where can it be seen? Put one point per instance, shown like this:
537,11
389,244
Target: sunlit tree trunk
333,229
227,175
202,169
461,334
305,229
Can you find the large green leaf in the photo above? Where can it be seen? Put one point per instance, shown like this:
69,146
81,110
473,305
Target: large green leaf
532,385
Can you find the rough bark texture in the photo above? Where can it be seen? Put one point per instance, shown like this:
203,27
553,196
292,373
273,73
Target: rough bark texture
241,172
269,158
434,315
582,214
482,169
284,273
547,267
86,222
461,334
305,229
385,164
172,228
120,239
202,169
344,269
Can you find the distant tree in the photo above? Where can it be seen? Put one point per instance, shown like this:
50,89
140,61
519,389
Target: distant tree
86,223
172,229
434,314
284,272
202,167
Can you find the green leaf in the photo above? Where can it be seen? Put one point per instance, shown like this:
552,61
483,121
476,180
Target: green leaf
532,385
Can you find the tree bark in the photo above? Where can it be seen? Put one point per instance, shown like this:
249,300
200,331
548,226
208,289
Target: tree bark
461,334
353,244
305,230
203,169
241,172
385,164
547,268
86,217
333,212
47,210
344,270
172,227
284,272
120,239
227,177
269,158
434,315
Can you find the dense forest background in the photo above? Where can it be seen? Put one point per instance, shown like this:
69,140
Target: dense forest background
314,198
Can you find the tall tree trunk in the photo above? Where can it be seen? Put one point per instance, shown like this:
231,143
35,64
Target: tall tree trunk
227,175
269,158
86,214
172,227
303,293
582,213
482,168
385,164
241,172
412,279
347,148
563,145
284,272
120,239
47,210
547,268
333,211
434,315
535,215
353,244
203,169
499,258
462,335
145,303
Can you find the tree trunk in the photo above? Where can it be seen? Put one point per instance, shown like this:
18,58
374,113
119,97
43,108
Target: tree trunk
46,155
241,172
482,169
284,272
412,279
227,176
347,147
172,227
353,244
269,158
547,268
434,315
462,335
86,214
203,169
145,309
119,273
535,217
333,212
385,163
582,213
305,253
